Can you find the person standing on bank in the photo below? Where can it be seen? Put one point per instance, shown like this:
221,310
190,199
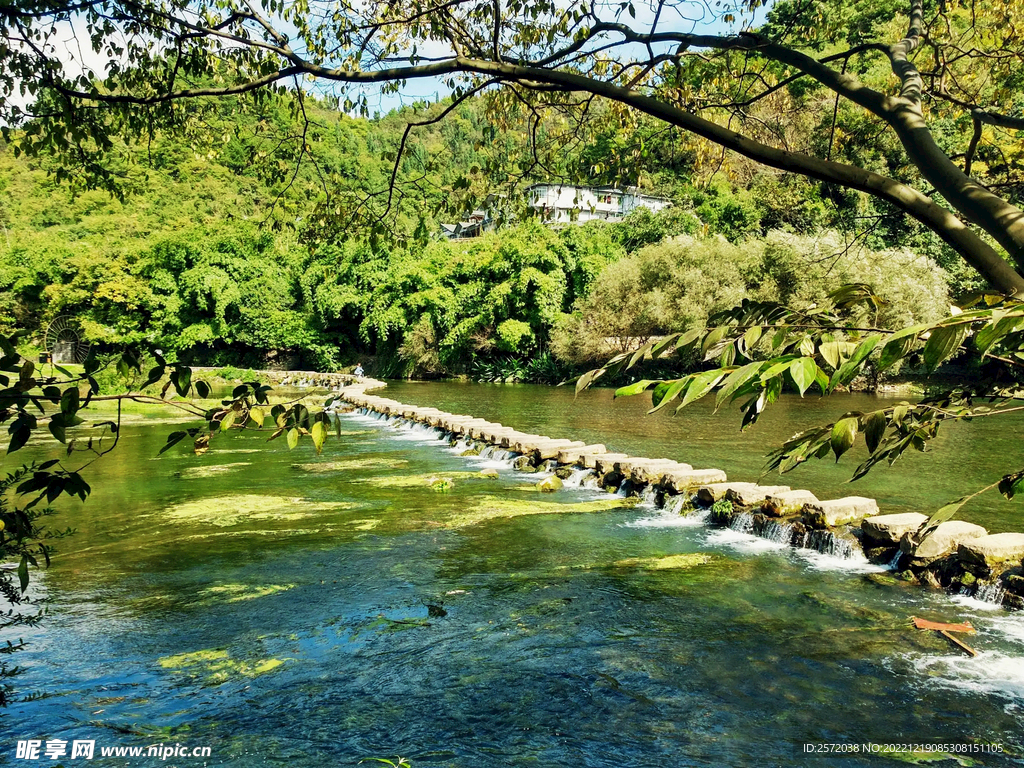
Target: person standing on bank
359,370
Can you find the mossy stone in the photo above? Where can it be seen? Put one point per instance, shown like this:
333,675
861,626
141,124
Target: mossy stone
550,484
563,473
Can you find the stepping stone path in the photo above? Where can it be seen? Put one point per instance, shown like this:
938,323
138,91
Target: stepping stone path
778,507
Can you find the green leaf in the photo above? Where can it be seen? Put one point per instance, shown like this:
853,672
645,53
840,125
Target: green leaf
895,350
843,434
736,380
69,401
257,417
830,351
23,573
56,426
804,371
874,429
942,515
702,384
319,433
752,336
944,341
228,420
635,388
202,389
155,374
293,437
991,334
1012,484
173,439
852,367
666,392
588,378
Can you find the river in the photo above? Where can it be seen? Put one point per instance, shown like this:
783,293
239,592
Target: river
275,605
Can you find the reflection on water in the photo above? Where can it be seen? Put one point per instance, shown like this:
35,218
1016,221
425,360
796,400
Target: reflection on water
281,614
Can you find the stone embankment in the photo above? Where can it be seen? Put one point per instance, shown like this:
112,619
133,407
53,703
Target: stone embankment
958,556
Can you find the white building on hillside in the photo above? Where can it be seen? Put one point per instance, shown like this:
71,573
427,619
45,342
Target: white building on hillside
562,203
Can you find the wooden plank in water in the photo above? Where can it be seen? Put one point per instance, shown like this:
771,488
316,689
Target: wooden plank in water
958,643
940,627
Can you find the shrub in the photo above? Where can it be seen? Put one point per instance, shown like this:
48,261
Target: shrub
678,283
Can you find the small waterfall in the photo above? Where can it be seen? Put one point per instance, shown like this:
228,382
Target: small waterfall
743,522
827,543
577,478
990,593
487,452
674,504
780,533
895,562
592,481
624,489
649,496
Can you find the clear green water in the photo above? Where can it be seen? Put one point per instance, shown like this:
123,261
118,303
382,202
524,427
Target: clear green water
279,615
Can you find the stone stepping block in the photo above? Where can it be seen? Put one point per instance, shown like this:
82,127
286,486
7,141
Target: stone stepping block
575,455
944,540
754,494
787,502
644,472
685,481
550,450
833,512
709,493
605,462
887,530
995,552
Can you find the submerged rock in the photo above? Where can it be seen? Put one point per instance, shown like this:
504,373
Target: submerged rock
523,464
491,474
550,484
441,484
564,473
470,452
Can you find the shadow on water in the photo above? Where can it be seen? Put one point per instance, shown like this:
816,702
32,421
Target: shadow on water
288,609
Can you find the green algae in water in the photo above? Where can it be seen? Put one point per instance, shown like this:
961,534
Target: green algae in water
495,508
235,593
215,665
364,525
351,464
671,562
416,481
226,511
191,473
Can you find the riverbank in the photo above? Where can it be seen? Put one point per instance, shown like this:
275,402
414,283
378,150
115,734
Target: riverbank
957,556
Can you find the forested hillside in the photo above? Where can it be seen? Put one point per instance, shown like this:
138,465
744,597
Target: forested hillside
261,234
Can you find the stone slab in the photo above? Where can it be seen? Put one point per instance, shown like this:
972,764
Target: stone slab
944,540
606,462
686,481
709,493
887,530
833,512
644,472
753,495
787,502
995,552
575,455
